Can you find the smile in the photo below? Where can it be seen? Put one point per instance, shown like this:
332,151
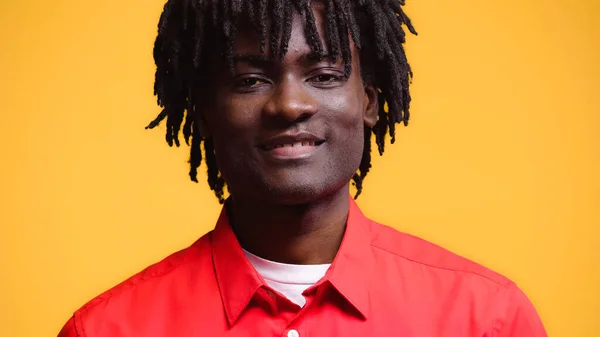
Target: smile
296,144
292,151
291,147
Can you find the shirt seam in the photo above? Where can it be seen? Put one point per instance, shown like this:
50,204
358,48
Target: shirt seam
78,325
504,284
501,322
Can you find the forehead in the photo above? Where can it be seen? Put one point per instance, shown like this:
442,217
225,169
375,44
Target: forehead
248,38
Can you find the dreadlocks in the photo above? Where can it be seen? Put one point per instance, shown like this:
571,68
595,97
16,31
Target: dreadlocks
189,30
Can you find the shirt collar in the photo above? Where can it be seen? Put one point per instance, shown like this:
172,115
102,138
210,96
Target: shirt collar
238,281
349,274
351,269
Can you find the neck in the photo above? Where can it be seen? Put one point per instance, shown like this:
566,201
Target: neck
297,234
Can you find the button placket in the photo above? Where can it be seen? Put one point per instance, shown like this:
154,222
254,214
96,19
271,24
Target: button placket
314,295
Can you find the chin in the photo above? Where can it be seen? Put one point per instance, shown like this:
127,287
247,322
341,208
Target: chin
300,193
289,186
293,197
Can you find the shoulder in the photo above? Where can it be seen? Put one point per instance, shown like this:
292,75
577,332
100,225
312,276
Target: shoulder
410,249
169,267
431,275
136,297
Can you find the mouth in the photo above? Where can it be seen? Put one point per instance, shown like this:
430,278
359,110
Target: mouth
287,146
295,144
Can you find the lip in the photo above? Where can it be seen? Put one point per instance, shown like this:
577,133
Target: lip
289,146
290,138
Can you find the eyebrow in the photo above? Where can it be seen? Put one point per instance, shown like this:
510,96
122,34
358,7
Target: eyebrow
267,60
252,58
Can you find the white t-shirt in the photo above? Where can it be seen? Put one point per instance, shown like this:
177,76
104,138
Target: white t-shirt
288,279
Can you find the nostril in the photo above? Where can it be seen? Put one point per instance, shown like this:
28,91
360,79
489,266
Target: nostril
303,117
281,118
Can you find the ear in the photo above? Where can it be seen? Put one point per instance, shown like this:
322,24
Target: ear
370,105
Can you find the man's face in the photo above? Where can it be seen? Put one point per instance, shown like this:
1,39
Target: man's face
289,131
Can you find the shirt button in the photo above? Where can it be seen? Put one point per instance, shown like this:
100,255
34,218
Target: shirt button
293,333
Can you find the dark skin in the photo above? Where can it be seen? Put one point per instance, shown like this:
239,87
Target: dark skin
289,207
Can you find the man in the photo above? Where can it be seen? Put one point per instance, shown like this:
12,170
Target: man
283,96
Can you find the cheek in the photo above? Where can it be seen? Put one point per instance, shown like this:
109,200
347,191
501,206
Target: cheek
348,117
233,127
347,125
233,121
230,122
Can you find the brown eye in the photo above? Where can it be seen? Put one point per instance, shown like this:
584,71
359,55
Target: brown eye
250,82
325,78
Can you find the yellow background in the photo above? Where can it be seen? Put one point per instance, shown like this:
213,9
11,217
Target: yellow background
500,164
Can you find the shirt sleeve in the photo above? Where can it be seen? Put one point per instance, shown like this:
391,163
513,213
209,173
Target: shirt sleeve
521,319
69,329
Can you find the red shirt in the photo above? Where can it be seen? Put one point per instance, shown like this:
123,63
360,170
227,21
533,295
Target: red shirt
381,283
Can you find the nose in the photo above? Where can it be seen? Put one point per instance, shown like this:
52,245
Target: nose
291,101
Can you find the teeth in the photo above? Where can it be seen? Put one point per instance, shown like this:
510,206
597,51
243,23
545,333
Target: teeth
296,144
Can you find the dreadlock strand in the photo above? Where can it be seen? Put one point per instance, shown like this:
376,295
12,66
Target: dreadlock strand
287,28
310,29
230,38
176,111
380,128
331,29
398,83
365,163
214,10
344,42
184,16
262,23
189,116
176,126
158,119
248,7
394,16
226,19
198,36
164,18
394,106
215,180
379,35
236,7
345,7
187,127
357,182
407,22
276,25
195,153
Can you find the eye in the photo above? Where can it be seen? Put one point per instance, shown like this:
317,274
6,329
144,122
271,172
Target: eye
249,82
325,78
